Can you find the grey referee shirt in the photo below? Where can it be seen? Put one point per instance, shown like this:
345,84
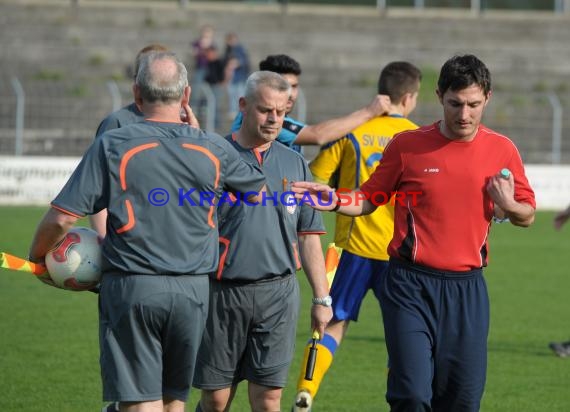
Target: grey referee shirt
261,241
158,182
120,118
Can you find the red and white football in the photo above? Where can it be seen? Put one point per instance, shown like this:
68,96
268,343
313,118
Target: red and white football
75,263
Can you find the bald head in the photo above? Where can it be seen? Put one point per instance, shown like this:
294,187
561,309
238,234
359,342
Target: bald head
161,78
153,47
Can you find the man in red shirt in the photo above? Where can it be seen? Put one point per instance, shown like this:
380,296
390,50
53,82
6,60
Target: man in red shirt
450,179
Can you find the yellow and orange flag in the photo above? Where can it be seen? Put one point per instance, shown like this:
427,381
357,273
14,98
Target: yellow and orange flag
332,257
8,261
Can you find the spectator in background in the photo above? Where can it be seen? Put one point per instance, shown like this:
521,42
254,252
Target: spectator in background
237,66
199,49
215,79
561,349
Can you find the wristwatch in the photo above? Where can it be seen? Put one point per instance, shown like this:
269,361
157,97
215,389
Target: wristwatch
326,301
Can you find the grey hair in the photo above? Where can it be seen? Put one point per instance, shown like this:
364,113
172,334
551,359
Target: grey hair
157,84
265,78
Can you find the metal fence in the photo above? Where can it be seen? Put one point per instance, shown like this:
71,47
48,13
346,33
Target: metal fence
557,6
59,118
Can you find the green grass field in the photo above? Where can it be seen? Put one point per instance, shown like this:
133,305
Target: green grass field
49,343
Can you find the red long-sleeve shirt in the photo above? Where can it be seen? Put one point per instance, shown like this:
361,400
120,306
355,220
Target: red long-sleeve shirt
445,225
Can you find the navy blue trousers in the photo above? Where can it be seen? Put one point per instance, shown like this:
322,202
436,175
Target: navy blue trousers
436,326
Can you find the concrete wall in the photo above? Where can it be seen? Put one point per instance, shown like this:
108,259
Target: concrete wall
341,49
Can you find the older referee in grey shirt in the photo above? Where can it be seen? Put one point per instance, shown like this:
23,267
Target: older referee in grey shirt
160,247
254,295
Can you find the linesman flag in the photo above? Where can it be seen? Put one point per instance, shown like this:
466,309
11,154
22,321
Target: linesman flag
8,261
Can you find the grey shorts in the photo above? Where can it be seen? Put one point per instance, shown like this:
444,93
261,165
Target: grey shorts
250,333
150,328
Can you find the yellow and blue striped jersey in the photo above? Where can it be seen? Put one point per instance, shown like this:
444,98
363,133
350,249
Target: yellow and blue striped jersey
349,162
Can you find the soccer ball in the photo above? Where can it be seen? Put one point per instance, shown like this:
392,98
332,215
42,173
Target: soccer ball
75,263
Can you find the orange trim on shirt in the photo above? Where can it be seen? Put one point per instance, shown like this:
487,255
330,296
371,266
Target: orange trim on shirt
131,215
226,243
296,254
311,233
255,151
67,212
127,157
216,162
258,155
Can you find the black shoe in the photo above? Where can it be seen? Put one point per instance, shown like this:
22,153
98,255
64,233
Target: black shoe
561,349
112,407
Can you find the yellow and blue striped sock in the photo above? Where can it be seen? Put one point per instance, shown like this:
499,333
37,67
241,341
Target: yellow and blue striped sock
326,348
